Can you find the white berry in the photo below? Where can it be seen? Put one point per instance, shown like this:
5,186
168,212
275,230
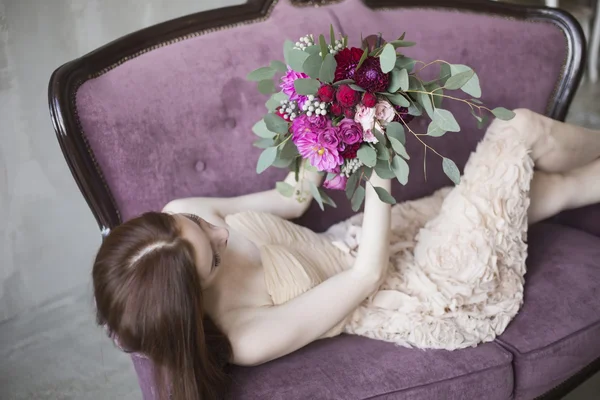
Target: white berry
322,105
311,97
311,108
309,113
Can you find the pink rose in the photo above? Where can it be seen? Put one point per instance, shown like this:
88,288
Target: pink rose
338,182
328,137
365,116
368,135
350,131
384,112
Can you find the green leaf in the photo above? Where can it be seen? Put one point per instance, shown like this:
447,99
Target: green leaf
266,159
327,199
278,66
351,184
383,153
356,88
451,170
398,80
276,124
384,195
503,113
434,130
306,86
289,150
344,82
387,59
285,189
366,172
399,148
400,168
261,74
407,63
282,162
425,100
472,86
398,99
396,130
445,73
379,136
327,73
263,143
358,198
323,44
383,169
476,101
477,117
445,120
401,43
314,49
288,46
316,195
312,65
261,130
331,35
414,108
484,120
367,155
362,59
415,83
275,101
402,36
266,87
297,59
459,80
434,87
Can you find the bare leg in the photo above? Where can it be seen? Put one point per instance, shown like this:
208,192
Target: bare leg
552,193
555,146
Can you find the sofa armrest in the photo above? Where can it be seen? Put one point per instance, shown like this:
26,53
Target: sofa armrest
586,219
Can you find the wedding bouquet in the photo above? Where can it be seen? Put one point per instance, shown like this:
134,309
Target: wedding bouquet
345,111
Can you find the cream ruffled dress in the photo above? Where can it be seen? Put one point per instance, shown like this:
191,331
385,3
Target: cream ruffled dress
457,257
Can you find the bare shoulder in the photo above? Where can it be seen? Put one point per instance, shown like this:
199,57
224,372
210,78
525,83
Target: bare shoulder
195,205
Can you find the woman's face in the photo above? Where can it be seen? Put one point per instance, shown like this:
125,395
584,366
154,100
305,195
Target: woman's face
209,243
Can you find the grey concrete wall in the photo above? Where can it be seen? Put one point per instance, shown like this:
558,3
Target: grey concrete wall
48,236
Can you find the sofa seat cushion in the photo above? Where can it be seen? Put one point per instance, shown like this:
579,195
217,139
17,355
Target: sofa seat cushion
557,331
355,368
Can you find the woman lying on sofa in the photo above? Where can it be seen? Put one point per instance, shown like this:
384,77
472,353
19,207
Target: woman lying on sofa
213,281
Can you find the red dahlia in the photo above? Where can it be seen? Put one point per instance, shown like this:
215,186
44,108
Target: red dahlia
350,150
347,60
370,77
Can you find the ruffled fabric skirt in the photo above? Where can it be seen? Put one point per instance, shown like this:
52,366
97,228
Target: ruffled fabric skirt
457,257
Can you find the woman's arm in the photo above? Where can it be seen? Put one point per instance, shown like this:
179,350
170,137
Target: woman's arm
215,209
274,332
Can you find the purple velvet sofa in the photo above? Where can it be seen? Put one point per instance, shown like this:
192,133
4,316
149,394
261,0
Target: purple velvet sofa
152,116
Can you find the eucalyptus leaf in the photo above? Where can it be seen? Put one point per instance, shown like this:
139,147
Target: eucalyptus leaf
401,43
399,148
323,44
312,65
503,113
407,63
387,59
296,59
261,74
344,82
282,162
445,120
362,59
484,120
379,136
400,168
367,155
415,83
398,99
398,80
278,66
266,87
306,86
433,87
261,130
327,73
366,172
358,198
477,117
396,130
384,170
356,88
326,199
316,195
314,49
266,159
288,46
415,109
275,101
475,101
288,150
472,87
451,170
459,80
276,124
331,35
445,73
434,130
285,189
425,100
351,184
402,36
383,153
263,143
384,195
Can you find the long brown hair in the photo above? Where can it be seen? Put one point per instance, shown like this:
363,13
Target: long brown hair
148,294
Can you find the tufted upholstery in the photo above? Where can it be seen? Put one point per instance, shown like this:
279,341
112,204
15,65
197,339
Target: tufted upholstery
175,122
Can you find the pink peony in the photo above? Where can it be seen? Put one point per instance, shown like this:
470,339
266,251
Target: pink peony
338,182
304,124
365,116
384,112
287,85
319,155
349,131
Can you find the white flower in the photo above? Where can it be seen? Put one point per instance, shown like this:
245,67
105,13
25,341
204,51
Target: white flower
365,116
384,112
